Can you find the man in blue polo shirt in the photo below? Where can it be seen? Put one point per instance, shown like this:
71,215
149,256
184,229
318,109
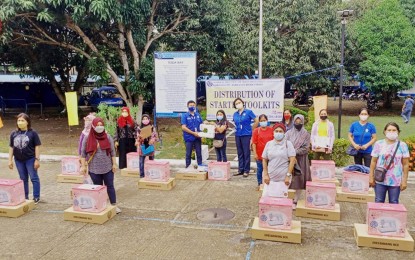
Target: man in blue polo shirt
191,126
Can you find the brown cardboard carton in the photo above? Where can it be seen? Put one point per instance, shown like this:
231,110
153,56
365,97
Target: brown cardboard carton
130,173
325,214
70,178
394,243
197,176
18,210
157,185
288,236
355,197
89,217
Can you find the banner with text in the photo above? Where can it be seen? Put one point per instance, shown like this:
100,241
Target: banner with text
265,96
175,82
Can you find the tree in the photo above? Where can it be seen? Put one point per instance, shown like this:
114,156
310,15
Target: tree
386,39
115,36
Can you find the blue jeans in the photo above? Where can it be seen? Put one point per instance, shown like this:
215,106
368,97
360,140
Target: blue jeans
393,193
243,146
221,153
142,159
108,180
259,169
197,145
406,114
26,169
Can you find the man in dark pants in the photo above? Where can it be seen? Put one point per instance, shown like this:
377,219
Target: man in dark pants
191,126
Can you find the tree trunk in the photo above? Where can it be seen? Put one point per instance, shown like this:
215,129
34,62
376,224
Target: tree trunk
387,99
140,105
57,89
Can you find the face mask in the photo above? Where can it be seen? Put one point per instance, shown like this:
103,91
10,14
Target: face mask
263,123
192,109
323,117
239,106
99,129
219,118
145,122
287,117
124,114
392,135
298,126
22,125
278,136
364,118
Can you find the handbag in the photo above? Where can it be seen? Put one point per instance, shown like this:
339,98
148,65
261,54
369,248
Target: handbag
217,143
297,169
351,150
147,151
380,172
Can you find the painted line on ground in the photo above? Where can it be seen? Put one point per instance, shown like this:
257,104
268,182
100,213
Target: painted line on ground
251,248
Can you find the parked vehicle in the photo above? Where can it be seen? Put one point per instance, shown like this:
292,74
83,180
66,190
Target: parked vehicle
303,100
104,94
372,103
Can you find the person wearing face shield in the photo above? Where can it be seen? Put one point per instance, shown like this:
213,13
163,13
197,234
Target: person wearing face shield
362,135
99,151
125,136
25,148
396,177
145,146
190,122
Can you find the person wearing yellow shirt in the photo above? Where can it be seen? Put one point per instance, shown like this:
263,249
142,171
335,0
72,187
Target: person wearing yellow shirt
322,137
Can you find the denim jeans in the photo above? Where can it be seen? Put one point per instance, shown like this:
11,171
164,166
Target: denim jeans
259,169
221,153
393,193
26,169
197,145
243,146
108,180
406,115
360,157
142,160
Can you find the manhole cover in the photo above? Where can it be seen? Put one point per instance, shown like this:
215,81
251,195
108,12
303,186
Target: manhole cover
215,215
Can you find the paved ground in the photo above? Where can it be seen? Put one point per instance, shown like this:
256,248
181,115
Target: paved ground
163,225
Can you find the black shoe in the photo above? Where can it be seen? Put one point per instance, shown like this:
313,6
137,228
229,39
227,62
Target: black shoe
36,200
239,173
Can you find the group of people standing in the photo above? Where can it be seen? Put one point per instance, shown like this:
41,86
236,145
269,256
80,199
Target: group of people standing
281,151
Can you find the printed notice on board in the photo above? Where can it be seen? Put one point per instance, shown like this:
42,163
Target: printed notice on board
175,80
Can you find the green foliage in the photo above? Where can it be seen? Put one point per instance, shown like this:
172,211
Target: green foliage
110,115
311,119
410,141
296,111
339,155
386,39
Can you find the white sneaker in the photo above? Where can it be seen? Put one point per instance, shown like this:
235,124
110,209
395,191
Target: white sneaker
117,210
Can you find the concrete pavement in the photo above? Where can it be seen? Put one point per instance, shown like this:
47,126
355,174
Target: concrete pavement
163,225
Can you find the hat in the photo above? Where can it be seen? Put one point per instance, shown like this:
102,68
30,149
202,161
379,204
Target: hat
280,125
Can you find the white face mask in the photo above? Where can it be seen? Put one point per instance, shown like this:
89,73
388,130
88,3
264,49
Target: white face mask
392,136
363,117
239,106
99,129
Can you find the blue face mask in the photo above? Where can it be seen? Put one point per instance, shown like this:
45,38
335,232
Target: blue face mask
219,118
192,109
263,123
278,136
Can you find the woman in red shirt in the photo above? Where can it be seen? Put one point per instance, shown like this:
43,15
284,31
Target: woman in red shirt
260,137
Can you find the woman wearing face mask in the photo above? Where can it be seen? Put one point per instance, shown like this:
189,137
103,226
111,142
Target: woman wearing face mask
278,157
25,148
362,135
87,128
243,118
396,178
260,137
221,125
322,137
125,136
301,141
98,149
288,120
145,142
